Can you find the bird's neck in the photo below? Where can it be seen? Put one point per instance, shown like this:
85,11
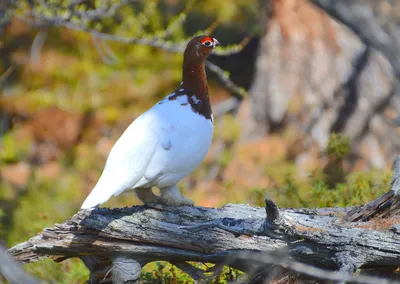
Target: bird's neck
194,79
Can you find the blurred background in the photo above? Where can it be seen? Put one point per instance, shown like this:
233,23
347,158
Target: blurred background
306,113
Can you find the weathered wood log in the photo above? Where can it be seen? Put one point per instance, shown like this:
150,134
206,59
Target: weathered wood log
240,236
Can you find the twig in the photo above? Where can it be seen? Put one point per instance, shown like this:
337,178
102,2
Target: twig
194,272
222,74
157,40
177,22
102,12
37,46
226,106
217,270
6,74
234,48
108,58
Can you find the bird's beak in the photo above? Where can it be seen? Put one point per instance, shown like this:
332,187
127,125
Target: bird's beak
216,42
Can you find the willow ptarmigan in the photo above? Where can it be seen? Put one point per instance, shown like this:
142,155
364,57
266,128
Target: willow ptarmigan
167,142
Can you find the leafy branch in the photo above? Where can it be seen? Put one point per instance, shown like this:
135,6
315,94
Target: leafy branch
76,16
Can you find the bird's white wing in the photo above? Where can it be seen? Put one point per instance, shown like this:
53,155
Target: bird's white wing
156,166
127,160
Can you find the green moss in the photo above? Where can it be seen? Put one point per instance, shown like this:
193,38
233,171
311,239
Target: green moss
163,272
68,271
338,145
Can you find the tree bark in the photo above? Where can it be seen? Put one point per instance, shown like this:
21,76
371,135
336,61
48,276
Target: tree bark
327,66
239,236
376,23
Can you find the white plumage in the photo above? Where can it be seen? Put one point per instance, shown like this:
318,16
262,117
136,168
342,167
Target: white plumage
167,142
159,148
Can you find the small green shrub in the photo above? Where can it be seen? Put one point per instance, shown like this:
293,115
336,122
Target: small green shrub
338,146
357,189
163,272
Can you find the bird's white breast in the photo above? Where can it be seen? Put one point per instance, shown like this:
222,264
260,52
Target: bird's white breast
159,148
184,140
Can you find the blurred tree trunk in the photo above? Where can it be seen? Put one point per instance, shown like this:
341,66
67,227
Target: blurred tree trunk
315,76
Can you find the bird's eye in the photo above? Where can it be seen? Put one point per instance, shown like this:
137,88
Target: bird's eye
207,43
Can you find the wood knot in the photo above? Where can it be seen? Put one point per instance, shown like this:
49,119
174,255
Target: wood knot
126,270
272,211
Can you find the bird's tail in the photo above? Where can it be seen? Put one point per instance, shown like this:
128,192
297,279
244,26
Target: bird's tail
100,194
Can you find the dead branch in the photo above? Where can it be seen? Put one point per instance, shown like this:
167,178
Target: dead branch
240,91
308,241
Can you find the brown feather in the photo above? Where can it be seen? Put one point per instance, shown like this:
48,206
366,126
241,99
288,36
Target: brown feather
194,79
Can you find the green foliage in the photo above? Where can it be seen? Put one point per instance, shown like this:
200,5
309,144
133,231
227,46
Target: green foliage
165,273
161,272
13,149
338,145
67,272
359,188
45,202
228,275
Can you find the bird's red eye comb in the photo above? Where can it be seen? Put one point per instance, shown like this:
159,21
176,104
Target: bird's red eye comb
207,38
209,42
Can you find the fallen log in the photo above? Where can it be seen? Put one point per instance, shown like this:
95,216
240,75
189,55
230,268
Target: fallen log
116,243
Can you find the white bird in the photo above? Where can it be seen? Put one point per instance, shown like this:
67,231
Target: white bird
167,142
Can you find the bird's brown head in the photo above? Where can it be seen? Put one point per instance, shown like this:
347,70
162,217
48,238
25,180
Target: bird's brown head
200,47
194,80
194,74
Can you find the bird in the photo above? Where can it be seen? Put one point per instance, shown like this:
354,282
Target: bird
165,143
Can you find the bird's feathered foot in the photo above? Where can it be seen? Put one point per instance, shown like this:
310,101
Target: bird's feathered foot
146,195
171,196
